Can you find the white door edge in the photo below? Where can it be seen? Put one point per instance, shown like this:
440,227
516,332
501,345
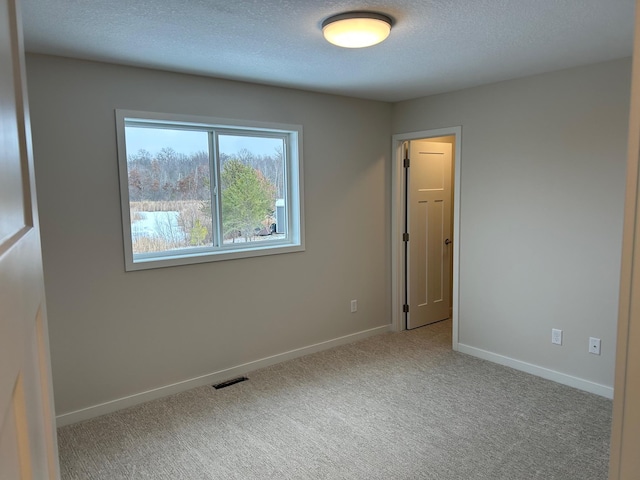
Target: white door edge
397,224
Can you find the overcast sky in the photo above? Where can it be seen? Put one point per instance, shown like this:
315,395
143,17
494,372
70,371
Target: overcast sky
184,141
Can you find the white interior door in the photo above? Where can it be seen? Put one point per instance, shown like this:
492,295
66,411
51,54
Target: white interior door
429,227
27,423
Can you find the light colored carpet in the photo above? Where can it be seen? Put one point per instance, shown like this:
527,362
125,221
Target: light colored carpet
396,406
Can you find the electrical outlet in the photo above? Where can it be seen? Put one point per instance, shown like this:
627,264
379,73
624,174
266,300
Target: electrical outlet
556,336
594,345
354,306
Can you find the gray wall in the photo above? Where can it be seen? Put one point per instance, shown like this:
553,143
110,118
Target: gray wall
542,188
543,168
115,334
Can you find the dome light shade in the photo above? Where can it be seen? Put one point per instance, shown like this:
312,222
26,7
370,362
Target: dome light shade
356,29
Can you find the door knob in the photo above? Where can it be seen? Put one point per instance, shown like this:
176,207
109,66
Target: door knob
447,241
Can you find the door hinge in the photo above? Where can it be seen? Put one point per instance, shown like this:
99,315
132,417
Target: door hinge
405,308
405,237
406,163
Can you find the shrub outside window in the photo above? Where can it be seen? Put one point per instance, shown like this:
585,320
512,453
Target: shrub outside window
200,189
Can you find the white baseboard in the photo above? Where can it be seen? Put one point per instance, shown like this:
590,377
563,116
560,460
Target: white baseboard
562,378
211,378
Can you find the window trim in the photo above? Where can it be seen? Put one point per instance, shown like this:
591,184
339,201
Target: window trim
293,173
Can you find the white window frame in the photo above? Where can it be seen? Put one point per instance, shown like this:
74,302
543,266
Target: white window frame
293,172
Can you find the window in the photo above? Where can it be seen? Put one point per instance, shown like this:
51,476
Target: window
199,189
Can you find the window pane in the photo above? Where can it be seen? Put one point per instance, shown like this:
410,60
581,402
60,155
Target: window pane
169,188
252,180
202,189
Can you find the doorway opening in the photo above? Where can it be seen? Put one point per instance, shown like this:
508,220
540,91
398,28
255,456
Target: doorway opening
401,270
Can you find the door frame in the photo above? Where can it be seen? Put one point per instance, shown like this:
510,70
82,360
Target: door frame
397,224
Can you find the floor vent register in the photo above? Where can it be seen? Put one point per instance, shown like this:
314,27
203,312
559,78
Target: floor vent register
228,383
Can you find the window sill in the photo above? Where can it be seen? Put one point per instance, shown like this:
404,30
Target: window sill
147,262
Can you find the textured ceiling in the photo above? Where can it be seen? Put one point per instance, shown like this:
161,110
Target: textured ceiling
435,45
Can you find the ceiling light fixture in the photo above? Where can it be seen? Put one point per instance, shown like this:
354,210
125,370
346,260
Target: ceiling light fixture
356,29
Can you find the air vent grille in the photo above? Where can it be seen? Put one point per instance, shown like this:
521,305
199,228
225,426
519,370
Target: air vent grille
228,383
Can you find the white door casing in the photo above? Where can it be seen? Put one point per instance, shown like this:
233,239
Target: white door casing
27,423
429,227
625,432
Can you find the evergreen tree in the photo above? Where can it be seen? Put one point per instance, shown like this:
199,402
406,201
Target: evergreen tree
198,233
247,199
